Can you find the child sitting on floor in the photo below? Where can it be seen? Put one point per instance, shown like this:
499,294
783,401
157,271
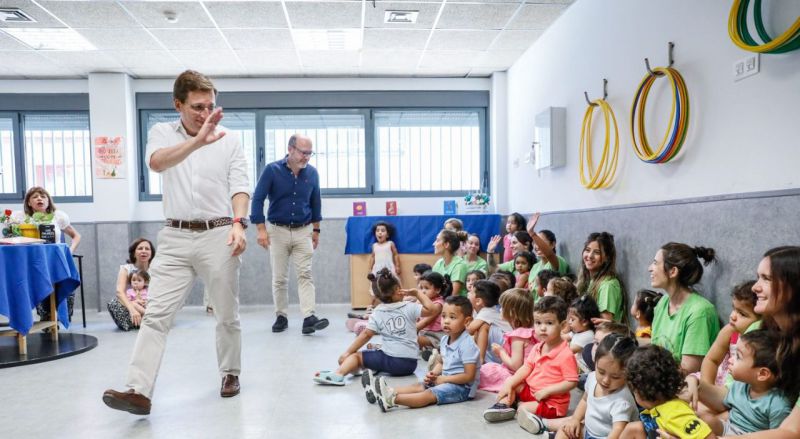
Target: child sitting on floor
656,381
455,376
517,309
523,261
562,287
429,329
488,326
754,402
395,320
579,320
643,310
543,383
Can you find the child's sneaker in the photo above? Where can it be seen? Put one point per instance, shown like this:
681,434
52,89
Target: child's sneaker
368,383
384,394
499,412
531,423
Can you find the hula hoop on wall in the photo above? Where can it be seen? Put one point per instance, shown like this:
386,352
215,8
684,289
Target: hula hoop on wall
602,176
740,35
679,117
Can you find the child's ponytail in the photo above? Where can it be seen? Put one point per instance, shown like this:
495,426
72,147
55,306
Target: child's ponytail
384,284
619,346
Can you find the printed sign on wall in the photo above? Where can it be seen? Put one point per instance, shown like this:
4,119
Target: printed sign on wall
109,157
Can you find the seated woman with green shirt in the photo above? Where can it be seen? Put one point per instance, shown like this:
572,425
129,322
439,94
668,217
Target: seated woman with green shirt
520,242
472,257
684,322
544,247
446,245
598,277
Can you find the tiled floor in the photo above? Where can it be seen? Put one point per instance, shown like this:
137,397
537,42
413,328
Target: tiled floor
62,398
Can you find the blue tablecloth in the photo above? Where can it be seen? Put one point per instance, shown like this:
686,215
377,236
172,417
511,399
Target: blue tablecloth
415,234
28,274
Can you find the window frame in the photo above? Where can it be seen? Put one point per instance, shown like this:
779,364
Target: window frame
18,126
333,102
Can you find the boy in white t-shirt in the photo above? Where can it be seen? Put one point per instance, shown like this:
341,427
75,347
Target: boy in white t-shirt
487,326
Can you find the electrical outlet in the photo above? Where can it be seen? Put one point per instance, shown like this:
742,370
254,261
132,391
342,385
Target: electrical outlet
745,67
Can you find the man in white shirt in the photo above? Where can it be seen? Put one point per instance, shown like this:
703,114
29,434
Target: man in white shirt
205,183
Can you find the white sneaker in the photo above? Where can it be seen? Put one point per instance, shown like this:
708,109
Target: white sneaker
433,359
367,382
531,423
384,394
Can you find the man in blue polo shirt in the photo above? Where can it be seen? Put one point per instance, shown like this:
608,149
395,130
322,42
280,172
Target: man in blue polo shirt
294,214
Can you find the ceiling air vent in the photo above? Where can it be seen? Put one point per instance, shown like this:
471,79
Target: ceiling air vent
15,15
400,17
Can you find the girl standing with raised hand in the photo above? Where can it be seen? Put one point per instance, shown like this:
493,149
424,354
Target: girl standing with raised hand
450,264
684,322
598,277
544,247
520,242
514,223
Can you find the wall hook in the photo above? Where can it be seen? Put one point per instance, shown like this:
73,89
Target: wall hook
670,46
605,93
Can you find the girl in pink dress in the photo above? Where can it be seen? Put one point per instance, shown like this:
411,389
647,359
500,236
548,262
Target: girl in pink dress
429,329
517,310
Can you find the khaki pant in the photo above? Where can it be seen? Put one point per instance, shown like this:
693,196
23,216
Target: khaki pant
286,243
182,255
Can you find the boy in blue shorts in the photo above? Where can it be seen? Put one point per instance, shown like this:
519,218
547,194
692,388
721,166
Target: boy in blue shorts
455,376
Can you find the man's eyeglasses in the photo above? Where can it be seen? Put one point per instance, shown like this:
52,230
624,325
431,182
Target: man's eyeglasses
305,153
198,108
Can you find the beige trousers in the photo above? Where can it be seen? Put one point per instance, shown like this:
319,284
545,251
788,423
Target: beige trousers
181,256
285,244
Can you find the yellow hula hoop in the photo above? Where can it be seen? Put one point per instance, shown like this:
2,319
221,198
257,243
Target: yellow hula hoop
603,175
782,39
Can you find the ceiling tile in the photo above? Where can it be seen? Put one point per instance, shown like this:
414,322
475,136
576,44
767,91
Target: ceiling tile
153,71
85,62
427,15
318,15
334,72
442,72
259,39
476,16
536,16
7,42
33,64
498,58
247,14
452,58
90,13
210,62
259,61
386,71
336,59
151,14
145,59
516,39
395,38
190,39
390,59
43,19
462,39
119,39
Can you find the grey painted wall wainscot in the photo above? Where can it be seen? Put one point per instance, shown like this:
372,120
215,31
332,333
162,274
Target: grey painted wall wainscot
739,227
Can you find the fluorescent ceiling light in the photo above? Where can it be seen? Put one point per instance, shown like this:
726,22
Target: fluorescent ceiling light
406,17
50,38
327,39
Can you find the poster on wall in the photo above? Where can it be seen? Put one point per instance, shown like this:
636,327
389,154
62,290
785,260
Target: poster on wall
109,157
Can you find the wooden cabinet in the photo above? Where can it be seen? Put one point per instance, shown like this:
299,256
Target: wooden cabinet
359,268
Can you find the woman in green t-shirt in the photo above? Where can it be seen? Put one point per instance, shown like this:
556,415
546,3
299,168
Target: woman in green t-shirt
778,301
544,247
520,242
446,245
684,322
598,277
473,255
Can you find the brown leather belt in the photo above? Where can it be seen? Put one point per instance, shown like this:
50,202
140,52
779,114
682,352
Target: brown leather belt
199,225
290,226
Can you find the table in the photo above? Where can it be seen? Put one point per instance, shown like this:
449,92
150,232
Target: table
28,275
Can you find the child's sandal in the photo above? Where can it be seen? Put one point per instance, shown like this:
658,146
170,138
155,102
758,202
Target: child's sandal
328,378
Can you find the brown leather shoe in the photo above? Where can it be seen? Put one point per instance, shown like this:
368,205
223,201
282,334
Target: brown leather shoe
129,401
230,386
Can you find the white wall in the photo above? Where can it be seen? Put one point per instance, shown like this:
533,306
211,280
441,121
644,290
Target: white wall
111,113
743,136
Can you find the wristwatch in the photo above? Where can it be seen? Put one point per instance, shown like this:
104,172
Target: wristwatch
315,230
241,220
